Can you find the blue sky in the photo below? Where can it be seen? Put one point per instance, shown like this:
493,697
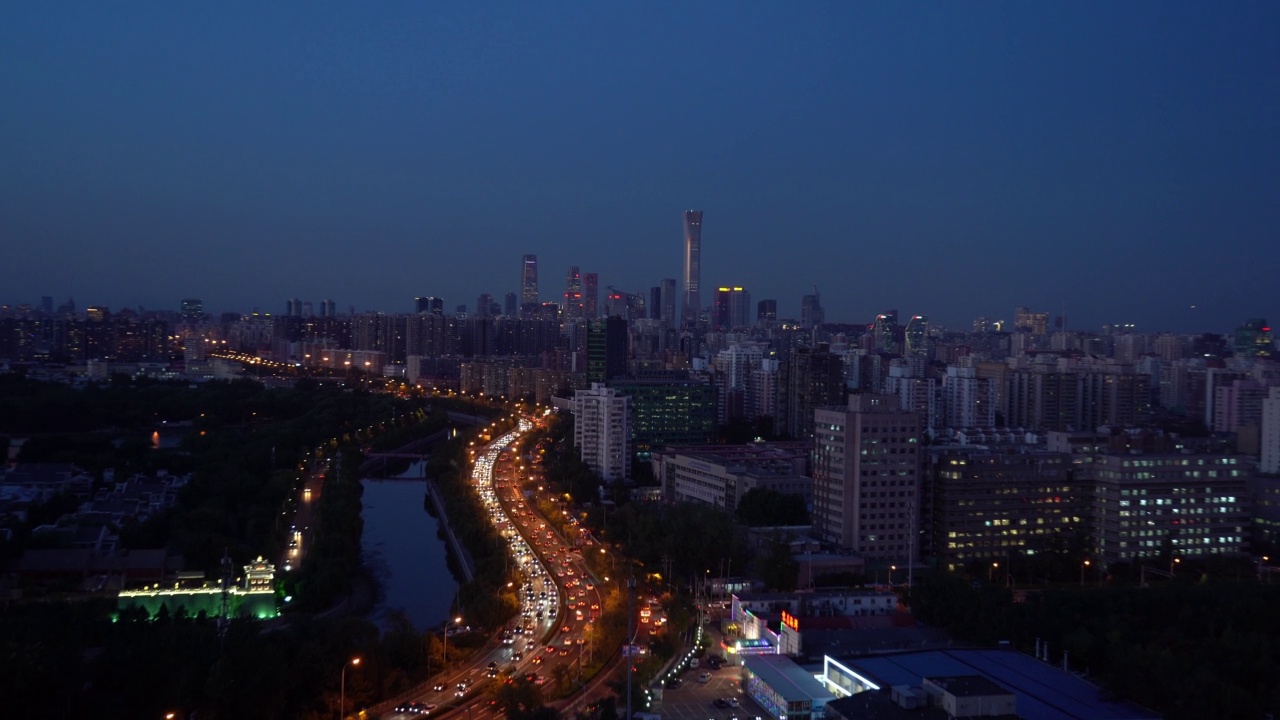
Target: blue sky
1118,160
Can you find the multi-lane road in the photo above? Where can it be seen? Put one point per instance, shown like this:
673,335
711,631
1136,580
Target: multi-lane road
559,599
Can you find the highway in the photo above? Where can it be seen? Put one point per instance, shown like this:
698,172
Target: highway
559,600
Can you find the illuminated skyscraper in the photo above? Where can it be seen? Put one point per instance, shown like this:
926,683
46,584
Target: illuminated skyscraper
192,309
732,309
529,282
916,341
572,306
692,267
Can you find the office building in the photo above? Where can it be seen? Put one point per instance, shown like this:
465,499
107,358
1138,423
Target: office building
721,475
591,296
916,337
983,503
732,309
606,349
528,283
811,313
766,311
808,379
572,305
192,309
866,478
669,412
692,308
510,305
1253,339
668,312
601,431
1030,322
885,332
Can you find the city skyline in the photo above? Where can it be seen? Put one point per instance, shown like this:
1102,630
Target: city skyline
1115,163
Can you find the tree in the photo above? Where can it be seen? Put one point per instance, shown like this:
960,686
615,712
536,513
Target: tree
761,507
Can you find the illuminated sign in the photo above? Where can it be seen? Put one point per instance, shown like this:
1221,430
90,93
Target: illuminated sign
791,621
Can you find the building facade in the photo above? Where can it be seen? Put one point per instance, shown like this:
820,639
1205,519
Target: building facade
602,431
866,477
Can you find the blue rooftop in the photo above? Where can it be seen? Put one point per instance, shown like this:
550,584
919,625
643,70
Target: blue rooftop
1043,691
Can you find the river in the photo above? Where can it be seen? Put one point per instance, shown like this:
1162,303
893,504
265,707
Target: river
404,553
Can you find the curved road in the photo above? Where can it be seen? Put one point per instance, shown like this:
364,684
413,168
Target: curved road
558,599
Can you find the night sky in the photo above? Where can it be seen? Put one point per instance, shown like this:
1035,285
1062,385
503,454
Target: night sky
1118,160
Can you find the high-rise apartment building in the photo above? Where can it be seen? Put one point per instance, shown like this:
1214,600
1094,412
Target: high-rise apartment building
866,477
528,282
692,309
1270,440
510,304
601,430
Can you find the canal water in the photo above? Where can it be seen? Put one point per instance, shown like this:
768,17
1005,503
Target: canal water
404,553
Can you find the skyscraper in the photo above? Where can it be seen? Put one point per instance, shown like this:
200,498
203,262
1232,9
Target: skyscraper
528,283
766,311
916,340
811,313
591,295
732,309
192,309
668,312
572,306
692,267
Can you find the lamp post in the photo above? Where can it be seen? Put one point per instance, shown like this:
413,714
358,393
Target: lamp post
891,569
991,571
1083,565
342,693
444,657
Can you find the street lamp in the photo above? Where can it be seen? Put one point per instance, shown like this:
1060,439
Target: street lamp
445,656
1083,565
991,571
342,693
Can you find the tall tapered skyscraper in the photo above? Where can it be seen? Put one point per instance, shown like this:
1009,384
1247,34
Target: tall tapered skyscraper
692,307
529,280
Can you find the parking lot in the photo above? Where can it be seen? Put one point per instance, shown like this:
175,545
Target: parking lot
695,700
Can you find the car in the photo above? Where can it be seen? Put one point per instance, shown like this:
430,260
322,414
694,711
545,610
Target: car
438,687
733,702
564,651
720,703
673,683
516,657
704,677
